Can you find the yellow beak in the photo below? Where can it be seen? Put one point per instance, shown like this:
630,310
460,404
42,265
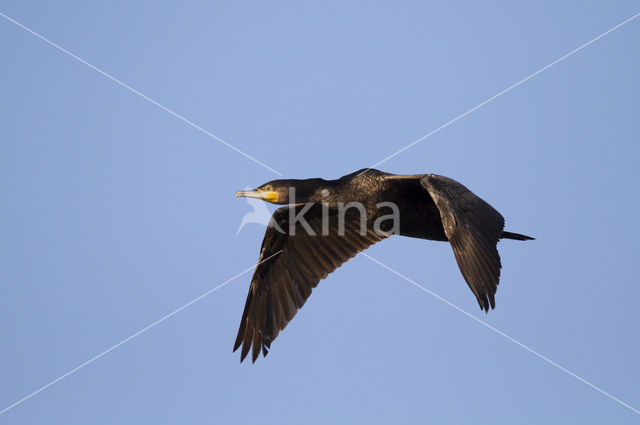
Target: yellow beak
265,195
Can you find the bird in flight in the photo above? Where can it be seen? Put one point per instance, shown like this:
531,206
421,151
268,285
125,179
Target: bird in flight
324,223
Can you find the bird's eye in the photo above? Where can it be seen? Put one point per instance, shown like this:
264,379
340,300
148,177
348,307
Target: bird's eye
268,188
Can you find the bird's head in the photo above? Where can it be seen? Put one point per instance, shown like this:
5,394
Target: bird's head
276,192
286,191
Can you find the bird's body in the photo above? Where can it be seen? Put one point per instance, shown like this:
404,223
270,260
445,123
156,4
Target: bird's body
326,222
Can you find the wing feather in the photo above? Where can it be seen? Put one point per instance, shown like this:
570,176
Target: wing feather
473,229
281,285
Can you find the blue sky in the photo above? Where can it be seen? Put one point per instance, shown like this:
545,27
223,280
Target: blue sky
115,213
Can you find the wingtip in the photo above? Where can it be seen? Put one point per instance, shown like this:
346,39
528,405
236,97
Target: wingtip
487,304
238,343
242,356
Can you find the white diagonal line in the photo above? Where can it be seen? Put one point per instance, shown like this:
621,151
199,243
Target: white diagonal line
175,114
162,319
480,105
515,341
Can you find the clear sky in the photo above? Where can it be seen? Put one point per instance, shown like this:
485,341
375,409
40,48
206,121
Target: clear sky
115,213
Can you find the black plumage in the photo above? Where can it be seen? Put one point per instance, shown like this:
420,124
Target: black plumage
345,216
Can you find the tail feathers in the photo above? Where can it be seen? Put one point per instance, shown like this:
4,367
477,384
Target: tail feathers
516,236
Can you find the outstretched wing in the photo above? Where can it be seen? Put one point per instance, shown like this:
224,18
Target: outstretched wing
473,228
281,285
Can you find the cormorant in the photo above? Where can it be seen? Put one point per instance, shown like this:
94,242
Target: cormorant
326,222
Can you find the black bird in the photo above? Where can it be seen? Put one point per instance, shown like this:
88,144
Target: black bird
326,222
